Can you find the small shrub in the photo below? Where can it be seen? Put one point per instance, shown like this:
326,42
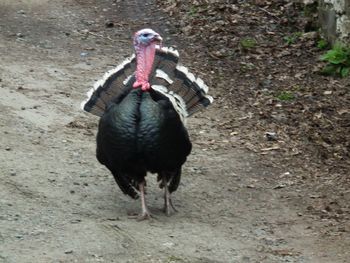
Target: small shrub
322,44
338,61
285,96
293,38
248,43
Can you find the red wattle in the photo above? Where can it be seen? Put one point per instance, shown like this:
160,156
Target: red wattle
145,58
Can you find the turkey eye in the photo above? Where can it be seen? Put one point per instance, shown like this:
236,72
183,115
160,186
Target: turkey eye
145,35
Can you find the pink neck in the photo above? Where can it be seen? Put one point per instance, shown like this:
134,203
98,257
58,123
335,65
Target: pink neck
144,60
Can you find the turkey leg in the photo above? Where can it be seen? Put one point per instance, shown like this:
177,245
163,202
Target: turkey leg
167,200
145,214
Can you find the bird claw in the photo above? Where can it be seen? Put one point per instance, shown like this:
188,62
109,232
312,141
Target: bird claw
144,216
140,217
166,208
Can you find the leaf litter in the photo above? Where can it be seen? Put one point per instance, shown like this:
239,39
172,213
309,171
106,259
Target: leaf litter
262,60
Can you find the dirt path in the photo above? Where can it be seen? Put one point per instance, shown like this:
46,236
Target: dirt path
57,204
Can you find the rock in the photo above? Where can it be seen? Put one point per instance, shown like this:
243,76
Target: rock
310,35
168,244
109,24
280,186
271,136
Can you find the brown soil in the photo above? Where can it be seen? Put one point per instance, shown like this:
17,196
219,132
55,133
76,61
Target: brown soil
242,198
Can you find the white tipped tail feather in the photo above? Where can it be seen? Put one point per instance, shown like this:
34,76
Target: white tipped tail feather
161,74
113,83
187,93
178,103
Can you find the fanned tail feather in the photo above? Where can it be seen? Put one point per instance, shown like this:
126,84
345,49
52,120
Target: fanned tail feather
114,83
175,81
187,93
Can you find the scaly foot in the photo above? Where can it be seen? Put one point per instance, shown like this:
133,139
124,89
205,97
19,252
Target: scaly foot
145,214
140,217
167,199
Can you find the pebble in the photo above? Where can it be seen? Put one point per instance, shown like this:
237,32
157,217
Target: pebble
271,136
279,186
75,221
168,244
109,24
113,219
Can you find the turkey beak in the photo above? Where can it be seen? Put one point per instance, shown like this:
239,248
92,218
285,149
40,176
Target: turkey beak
158,39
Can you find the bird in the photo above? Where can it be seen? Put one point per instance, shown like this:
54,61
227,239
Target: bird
143,104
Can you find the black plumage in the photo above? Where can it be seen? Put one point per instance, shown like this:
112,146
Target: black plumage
142,132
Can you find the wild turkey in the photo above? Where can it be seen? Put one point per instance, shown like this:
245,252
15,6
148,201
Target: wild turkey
143,104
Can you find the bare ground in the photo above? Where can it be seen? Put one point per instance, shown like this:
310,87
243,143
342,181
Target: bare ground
57,204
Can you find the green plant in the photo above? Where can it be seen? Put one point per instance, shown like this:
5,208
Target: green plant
285,96
193,10
338,61
246,66
322,44
247,43
293,38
